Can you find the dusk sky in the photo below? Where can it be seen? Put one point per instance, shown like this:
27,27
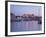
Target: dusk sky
26,9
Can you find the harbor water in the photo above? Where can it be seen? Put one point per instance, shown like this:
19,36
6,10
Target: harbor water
25,26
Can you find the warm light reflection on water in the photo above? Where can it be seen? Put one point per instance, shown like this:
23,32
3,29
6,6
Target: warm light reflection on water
25,26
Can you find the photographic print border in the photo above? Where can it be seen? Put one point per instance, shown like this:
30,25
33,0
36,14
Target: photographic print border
6,18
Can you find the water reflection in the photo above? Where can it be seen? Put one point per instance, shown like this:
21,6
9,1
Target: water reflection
25,26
